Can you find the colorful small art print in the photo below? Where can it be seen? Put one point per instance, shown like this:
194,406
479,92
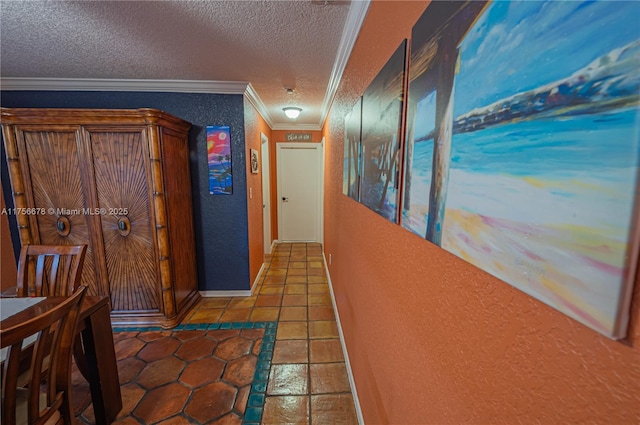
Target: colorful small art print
523,148
219,159
381,116
352,148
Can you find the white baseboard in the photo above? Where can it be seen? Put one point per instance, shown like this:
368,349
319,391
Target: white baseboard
273,244
218,294
354,391
257,279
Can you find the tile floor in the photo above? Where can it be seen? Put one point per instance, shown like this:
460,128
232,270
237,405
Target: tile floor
306,382
192,374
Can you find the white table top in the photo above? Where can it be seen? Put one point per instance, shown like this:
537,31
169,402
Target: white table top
11,306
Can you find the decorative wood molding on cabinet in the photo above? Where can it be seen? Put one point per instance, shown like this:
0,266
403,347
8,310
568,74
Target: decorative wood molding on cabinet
119,181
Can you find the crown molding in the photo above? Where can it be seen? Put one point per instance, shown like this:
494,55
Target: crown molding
257,103
252,96
96,84
355,18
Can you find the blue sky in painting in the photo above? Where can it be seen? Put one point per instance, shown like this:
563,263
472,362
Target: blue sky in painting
518,46
426,110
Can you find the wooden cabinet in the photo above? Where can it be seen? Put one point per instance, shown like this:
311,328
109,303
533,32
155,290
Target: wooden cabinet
119,181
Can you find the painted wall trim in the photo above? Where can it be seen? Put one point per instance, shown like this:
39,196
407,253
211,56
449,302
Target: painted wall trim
257,103
97,84
217,294
355,18
352,382
254,285
323,164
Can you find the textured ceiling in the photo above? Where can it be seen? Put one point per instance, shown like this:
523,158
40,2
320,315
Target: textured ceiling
272,45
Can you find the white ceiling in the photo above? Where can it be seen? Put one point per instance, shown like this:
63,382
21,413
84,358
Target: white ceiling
212,46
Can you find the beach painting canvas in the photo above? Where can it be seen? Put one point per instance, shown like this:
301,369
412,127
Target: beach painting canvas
219,160
528,166
352,148
381,115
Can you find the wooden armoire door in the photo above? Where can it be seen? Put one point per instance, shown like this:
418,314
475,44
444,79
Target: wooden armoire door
119,181
54,176
120,160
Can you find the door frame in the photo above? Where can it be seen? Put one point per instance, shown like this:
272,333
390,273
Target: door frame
319,149
266,193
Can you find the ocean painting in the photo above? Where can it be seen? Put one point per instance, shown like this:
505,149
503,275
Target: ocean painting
352,145
381,114
219,159
541,182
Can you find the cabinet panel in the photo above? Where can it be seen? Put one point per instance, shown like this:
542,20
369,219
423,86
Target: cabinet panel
121,186
181,233
55,188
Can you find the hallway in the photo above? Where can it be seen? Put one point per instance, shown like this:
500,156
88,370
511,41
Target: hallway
307,378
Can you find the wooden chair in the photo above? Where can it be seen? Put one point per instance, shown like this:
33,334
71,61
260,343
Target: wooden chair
53,270
47,397
49,270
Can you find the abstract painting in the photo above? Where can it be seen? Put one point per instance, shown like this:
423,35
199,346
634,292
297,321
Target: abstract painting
381,116
219,159
352,151
523,148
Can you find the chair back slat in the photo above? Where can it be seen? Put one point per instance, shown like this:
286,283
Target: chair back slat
53,273
50,270
10,374
64,271
55,332
39,275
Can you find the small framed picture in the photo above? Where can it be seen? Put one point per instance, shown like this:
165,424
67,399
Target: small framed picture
254,161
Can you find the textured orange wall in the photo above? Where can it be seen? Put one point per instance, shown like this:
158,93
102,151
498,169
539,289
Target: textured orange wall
279,136
7,259
434,340
254,124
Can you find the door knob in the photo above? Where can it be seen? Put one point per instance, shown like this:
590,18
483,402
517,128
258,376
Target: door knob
284,199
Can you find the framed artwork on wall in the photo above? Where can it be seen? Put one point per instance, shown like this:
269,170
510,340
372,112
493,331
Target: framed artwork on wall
254,161
219,160
523,160
381,135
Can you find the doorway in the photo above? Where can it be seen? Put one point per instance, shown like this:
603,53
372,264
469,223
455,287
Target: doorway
266,193
300,182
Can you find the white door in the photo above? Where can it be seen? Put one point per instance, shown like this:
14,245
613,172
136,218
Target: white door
266,194
299,168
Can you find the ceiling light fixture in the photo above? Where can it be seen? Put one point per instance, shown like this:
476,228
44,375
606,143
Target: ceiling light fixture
292,112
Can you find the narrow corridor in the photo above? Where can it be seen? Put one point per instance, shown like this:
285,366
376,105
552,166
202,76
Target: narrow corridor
306,377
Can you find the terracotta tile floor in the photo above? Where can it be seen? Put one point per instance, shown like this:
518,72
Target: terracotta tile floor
279,360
